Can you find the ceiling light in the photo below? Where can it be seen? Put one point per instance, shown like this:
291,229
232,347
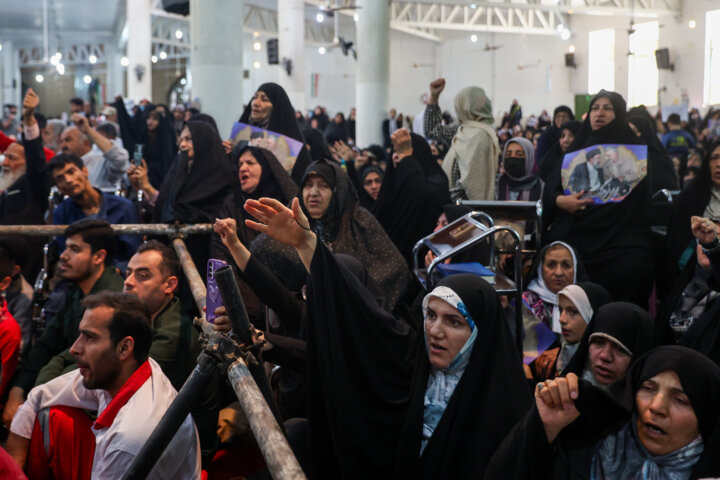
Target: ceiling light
39,78
257,46
356,17
92,59
565,34
256,64
124,61
87,79
178,34
60,68
183,81
0,47
154,59
320,18
163,55
322,50
473,38
692,24
473,6
571,49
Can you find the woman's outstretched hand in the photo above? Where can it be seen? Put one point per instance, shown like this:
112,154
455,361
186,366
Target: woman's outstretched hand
287,226
555,401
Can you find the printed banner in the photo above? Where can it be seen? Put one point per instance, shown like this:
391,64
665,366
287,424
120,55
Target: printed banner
286,149
606,173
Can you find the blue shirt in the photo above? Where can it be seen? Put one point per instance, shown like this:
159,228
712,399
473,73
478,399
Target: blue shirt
678,142
115,210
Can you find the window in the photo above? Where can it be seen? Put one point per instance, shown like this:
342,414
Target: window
601,65
712,57
642,69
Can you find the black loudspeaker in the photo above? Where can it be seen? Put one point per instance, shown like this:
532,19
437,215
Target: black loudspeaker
662,59
181,7
272,51
570,60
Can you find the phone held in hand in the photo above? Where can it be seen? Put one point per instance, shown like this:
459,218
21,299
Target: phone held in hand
213,299
138,155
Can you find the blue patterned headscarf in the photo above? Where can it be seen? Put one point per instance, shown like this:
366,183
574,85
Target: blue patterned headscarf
441,383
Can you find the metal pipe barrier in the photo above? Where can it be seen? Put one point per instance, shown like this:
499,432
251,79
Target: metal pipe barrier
222,351
119,229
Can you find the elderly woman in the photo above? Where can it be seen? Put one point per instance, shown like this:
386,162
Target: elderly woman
270,108
577,304
518,180
662,423
388,403
329,199
555,267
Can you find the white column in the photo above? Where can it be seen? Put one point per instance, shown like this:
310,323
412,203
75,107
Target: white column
10,78
291,44
139,50
114,76
216,63
372,75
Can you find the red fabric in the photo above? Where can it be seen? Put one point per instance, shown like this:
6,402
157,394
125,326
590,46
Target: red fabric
9,346
131,385
235,461
5,141
9,470
49,154
72,447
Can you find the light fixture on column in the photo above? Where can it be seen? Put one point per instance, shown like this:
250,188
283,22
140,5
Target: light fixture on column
356,17
692,24
124,61
92,59
87,79
163,55
39,78
257,46
571,49
154,59
256,64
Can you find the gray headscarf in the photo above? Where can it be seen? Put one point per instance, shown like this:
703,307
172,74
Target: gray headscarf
471,104
529,150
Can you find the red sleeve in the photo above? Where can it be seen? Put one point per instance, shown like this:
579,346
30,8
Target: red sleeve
5,141
9,350
49,154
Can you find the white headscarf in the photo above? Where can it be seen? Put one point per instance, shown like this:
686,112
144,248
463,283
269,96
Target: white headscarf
538,286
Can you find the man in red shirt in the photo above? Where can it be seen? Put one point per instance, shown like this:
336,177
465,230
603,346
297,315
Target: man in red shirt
9,329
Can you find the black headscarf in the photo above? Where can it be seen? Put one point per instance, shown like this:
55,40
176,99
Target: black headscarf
366,201
345,228
597,294
194,190
700,379
490,398
661,171
623,321
209,119
319,149
160,150
549,139
626,223
409,203
336,132
282,120
551,163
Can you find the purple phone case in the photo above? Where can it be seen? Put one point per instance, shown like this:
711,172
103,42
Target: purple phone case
213,299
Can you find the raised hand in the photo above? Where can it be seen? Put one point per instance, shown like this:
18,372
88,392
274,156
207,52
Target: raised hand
30,103
436,88
555,401
704,229
402,143
287,226
81,122
226,228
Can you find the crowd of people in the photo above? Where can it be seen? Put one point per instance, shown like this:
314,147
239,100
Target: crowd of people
380,375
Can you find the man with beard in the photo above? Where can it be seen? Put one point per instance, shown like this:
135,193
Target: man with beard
54,436
85,265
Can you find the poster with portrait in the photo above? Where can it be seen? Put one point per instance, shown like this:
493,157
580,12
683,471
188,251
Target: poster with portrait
606,173
286,149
